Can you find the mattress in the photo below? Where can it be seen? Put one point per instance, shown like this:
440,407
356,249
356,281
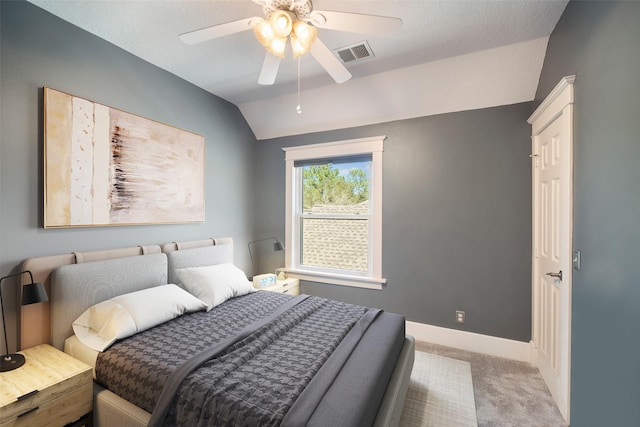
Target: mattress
74,347
297,360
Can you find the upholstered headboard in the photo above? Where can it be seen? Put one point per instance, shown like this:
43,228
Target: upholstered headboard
35,319
76,287
197,257
40,324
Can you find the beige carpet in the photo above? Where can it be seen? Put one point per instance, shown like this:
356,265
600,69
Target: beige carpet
508,393
440,393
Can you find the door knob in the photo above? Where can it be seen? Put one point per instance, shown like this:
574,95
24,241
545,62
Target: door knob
557,275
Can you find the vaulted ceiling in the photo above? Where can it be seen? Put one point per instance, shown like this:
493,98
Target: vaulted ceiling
449,55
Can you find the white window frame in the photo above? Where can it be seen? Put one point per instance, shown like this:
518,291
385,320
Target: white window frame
354,147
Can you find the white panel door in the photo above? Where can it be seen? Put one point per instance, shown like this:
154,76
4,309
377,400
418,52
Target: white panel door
552,262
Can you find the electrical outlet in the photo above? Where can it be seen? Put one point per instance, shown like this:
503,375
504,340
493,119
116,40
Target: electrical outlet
459,316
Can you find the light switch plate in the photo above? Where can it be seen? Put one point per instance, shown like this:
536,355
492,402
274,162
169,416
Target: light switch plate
576,259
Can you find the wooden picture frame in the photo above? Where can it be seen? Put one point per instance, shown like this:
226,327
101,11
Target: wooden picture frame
107,167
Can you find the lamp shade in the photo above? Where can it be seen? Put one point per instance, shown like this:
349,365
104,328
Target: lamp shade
302,37
281,23
34,293
263,32
277,46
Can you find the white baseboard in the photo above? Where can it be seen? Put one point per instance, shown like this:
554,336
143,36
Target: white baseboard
469,341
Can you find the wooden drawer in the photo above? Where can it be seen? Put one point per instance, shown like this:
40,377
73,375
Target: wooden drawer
288,286
273,288
291,287
51,389
57,412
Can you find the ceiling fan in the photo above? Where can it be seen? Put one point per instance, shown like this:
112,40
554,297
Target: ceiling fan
295,20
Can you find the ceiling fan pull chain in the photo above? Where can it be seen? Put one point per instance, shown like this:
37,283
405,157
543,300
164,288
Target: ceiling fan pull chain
299,108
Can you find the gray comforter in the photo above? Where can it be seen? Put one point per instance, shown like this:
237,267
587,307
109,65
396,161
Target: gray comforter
246,362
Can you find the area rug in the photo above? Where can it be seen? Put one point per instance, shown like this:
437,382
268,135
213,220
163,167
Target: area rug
440,393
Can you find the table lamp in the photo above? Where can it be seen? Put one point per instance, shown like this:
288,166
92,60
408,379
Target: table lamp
31,294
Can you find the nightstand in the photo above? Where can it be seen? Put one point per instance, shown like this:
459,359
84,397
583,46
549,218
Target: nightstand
51,389
289,286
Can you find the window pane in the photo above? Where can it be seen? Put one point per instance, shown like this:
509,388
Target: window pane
335,243
343,183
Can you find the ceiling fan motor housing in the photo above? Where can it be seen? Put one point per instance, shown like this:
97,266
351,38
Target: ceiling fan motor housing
301,8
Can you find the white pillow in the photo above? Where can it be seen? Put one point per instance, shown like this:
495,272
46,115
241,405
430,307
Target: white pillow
214,284
125,315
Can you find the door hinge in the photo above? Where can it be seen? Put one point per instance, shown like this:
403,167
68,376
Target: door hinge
534,157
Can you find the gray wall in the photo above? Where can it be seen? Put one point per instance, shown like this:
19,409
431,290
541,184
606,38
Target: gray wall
38,49
456,217
600,43
456,187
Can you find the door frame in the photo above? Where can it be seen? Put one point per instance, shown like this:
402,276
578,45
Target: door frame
558,102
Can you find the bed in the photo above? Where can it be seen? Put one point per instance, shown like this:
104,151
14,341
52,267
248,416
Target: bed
257,358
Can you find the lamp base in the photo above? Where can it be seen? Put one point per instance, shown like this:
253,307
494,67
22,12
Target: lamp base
9,362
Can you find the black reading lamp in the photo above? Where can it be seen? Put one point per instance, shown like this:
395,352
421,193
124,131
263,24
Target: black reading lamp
277,246
31,294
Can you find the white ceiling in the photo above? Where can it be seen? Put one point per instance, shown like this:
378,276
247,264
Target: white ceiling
450,55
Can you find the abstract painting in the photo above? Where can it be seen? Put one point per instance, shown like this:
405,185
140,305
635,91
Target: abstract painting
107,167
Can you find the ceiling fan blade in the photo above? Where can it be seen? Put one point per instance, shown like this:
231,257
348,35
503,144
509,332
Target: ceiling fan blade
215,31
325,57
269,69
356,22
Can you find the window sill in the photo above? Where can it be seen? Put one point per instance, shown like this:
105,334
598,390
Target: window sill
338,279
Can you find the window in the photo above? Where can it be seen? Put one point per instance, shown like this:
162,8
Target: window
333,212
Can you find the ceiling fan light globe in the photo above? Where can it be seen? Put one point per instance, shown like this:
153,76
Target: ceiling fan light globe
296,47
264,33
305,33
277,46
281,23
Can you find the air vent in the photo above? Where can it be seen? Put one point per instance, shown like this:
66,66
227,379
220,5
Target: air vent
357,52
